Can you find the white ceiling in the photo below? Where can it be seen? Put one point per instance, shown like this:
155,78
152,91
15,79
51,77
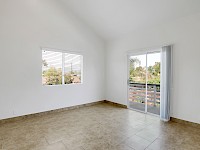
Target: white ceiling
112,18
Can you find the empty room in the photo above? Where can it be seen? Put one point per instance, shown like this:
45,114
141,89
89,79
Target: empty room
99,74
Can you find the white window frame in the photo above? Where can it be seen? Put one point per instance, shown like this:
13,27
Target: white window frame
63,64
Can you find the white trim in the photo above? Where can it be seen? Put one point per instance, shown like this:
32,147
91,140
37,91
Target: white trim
139,51
128,71
62,50
135,53
146,51
137,110
146,90
60,85
140,111
63,68
81,69
148,113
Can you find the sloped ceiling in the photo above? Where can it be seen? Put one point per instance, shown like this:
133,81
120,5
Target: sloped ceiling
113,18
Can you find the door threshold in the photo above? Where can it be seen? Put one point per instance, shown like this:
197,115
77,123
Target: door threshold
146,113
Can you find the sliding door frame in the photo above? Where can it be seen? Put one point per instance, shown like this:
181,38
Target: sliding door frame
136,53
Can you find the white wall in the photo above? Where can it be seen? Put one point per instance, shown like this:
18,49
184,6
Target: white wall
185,35
25,26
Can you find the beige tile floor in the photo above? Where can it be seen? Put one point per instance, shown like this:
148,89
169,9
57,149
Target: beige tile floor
99,127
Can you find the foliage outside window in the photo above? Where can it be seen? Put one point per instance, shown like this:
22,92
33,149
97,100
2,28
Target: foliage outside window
138,73
61,68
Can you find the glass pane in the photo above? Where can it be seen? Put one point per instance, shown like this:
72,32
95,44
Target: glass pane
51,68
73,67
153,81
137,83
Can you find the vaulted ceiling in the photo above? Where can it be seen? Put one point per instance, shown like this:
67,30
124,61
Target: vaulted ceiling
113,18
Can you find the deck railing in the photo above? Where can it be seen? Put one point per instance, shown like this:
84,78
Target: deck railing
137,93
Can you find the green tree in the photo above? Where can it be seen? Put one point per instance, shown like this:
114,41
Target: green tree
138,74
157,68
53,76
68,78
154,73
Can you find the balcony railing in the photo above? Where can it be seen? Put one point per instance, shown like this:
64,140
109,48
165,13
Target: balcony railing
137,93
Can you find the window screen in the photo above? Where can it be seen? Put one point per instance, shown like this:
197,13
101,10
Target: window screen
61,68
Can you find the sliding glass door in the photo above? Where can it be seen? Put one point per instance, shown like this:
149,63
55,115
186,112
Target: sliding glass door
153,83
137,82
144,83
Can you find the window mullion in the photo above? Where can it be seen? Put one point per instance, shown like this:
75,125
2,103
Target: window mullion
63,68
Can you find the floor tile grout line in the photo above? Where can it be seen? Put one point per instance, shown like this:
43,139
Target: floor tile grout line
64,144
147,139
46,141
98,128
151,143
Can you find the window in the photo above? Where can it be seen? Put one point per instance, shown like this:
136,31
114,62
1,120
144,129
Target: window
61,68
